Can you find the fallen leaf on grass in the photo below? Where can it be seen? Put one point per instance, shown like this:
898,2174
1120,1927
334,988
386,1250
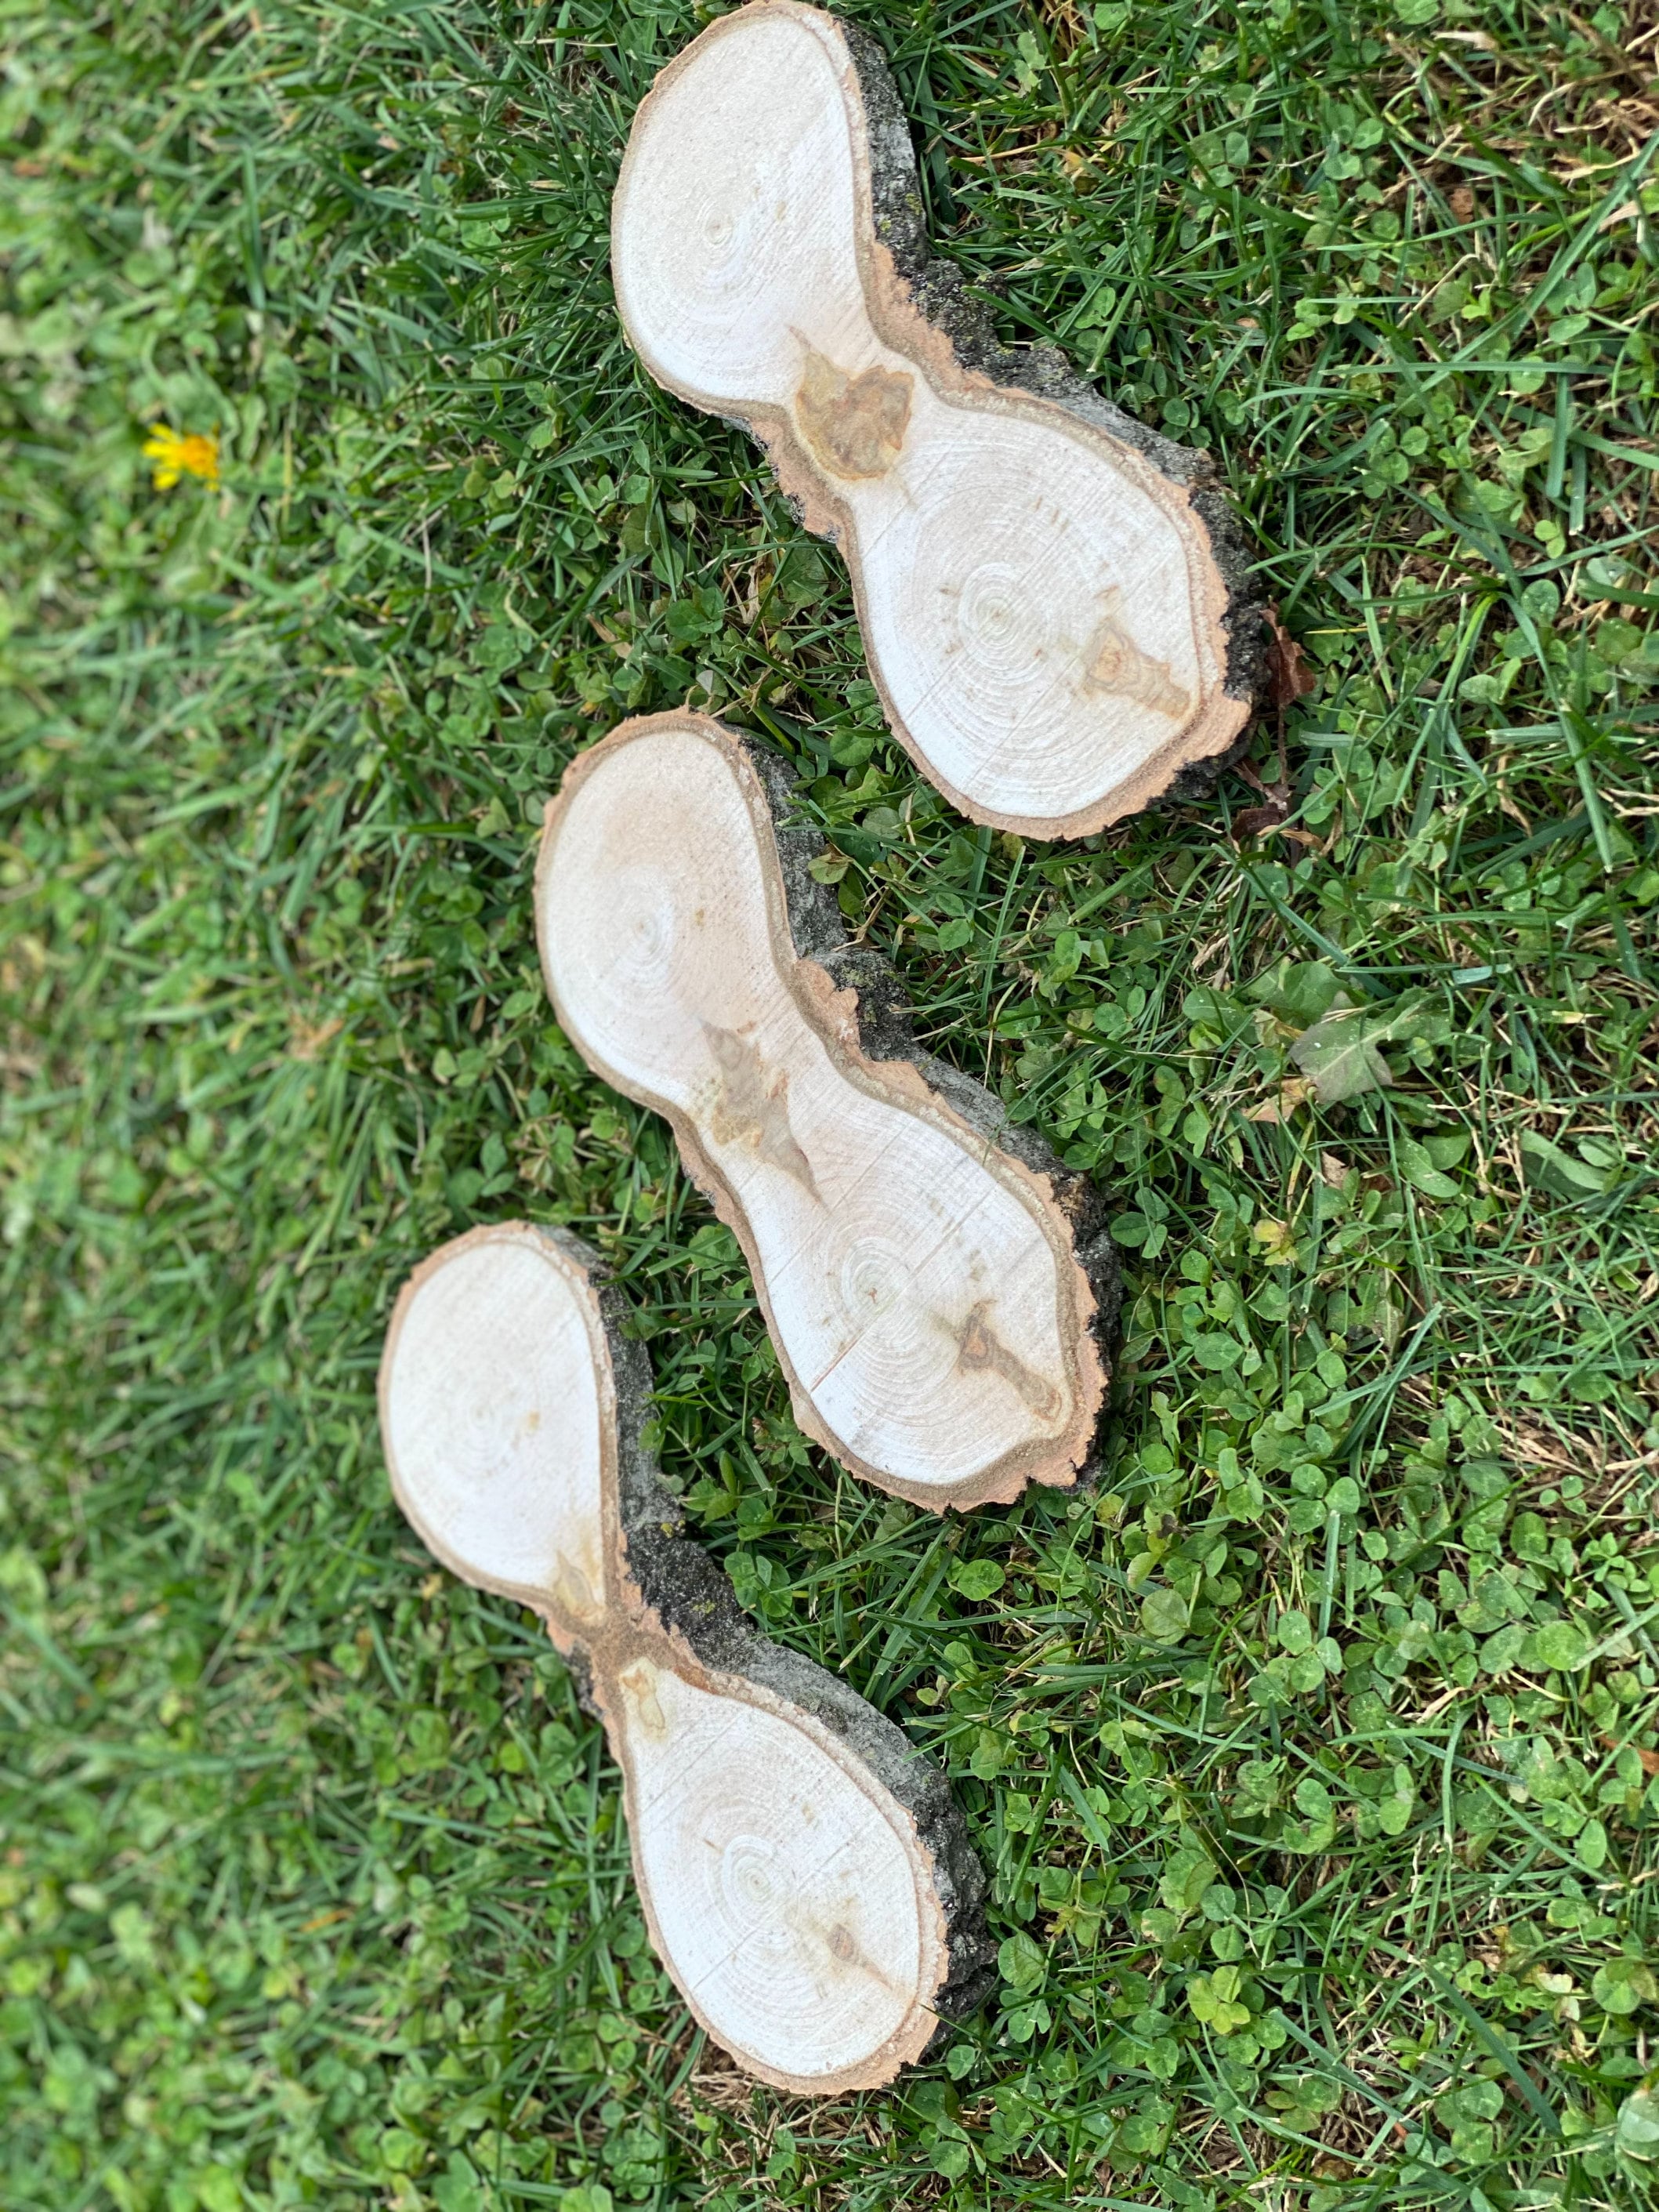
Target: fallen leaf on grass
1288,678
1339,1054
1275,807
1294,993
1256,821
1289,674
1273,814
1291,1094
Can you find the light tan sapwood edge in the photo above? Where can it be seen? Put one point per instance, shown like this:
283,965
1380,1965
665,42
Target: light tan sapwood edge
726,1741
914,310
1029,1353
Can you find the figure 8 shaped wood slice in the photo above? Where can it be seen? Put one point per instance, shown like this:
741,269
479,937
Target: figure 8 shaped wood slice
940,1289
1056,602
805,1873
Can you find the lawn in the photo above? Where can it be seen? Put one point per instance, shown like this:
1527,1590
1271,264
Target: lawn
1312,1751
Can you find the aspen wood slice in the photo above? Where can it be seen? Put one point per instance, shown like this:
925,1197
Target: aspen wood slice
939,1289
805,1877
1056,603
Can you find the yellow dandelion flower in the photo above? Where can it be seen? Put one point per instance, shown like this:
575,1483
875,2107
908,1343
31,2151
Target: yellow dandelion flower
173,454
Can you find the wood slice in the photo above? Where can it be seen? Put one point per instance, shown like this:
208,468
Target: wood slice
805,1876
1056,602
940,1291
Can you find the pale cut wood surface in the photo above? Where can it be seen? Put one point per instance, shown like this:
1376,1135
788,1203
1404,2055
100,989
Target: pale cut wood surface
1055,603
936,1299
804,1875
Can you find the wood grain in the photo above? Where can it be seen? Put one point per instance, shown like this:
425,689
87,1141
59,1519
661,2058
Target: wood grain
805,1876
1056,602
939,1291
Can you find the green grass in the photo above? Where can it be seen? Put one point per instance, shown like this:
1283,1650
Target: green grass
1311,1755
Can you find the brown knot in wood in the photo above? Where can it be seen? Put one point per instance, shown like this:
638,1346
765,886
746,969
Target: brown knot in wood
852,426
1117,665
